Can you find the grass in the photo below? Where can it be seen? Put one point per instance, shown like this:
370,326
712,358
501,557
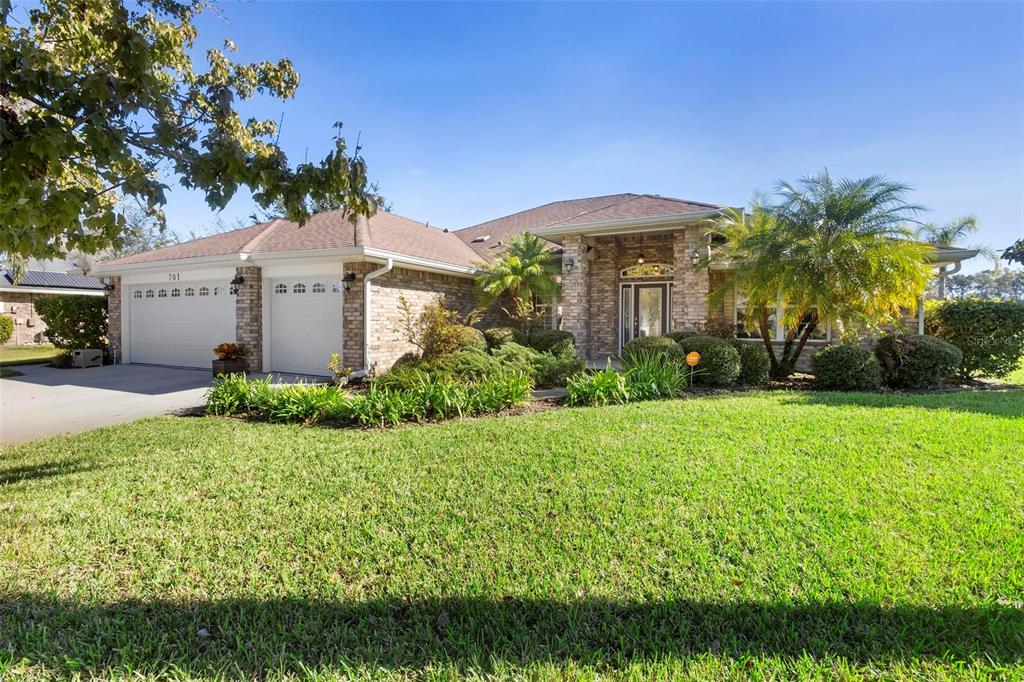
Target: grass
27,355
6,373
772,535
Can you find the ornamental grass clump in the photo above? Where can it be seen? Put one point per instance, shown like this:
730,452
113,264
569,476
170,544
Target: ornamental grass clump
650,375
604,387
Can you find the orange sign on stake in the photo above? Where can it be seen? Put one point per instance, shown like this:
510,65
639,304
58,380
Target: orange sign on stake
692,358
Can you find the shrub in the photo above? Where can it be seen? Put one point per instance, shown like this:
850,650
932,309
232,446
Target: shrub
554,341
755,364
498,336
465,367
302,403
74,321
518,357
681,334
6,329
229,351
846,367
403,375
989,333
498,391
649,375
546,369
455,338
719,362
662,345
917,361
605,387
232,394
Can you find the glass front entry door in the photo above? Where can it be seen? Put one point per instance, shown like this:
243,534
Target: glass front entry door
644,310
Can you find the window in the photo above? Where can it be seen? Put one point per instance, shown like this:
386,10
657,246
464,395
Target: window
216,291
648,270
203,291
162,293
820,332
281,289
319,288
189,291
137,294
778,332
336,287
299,288
149,293
175,293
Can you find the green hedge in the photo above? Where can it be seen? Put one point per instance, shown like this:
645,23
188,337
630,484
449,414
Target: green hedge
456,338
846,367
989,333
917,361
719,361
6,329
755,364
74,321
662,345
554,341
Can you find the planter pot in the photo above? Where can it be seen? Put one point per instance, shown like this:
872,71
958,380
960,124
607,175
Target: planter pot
228,366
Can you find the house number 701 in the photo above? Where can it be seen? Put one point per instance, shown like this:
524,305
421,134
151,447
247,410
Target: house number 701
174,277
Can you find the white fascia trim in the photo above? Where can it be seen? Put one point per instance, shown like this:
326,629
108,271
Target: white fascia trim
180,263
54,290
417,263
625,225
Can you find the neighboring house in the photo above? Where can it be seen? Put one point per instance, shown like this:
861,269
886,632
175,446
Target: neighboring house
293,295
17,301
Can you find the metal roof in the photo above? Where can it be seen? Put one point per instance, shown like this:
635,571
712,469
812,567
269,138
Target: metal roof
51,280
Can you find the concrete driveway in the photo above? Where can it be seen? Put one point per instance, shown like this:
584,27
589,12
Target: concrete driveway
46,402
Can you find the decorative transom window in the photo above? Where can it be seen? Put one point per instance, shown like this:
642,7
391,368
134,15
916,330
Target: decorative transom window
203,291
162,293
175,293
648,270
299,288
137,294
189,291
319,288
281,289
336,287
216,291
149,293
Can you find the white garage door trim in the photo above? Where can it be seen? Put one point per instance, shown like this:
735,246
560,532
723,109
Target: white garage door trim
178,323
305,323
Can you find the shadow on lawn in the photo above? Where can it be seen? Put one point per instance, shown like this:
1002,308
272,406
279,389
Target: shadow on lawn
248,638
994,402
31,472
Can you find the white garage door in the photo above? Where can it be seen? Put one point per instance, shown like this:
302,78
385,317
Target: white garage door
305,323
179,324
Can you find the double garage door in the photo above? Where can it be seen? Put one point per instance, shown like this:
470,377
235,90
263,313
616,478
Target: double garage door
178,324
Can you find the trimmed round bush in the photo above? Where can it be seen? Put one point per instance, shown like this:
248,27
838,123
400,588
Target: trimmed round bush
517,357
496,337
554,341
917,361
456,338
846,367
662,345
465,366
755,364
6,329
989,333
678,336
719,361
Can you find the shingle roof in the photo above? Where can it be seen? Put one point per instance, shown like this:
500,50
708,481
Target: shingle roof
576,211
328,230
52,280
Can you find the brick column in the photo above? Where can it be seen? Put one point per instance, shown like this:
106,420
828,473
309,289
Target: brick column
114,337
249,315
352,316
576,292
691,285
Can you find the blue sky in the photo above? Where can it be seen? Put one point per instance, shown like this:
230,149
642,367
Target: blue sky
471,111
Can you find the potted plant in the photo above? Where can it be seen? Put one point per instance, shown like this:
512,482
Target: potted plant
229,358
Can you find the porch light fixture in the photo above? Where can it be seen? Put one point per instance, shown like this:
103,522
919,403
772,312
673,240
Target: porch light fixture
348,280
695,257
235,283
640,260
570,264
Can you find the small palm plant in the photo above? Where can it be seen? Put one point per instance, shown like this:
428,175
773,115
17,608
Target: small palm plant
525,272
836,250
954,233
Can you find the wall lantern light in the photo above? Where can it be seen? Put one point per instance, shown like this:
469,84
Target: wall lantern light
695,257
235,283
640,260
348,280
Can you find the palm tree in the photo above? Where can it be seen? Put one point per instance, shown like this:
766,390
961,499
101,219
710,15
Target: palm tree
526,271
952,234
827,250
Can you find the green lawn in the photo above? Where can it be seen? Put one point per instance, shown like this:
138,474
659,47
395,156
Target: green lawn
774,535
27,355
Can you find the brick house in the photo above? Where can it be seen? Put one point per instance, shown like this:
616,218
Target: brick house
17,300
294,295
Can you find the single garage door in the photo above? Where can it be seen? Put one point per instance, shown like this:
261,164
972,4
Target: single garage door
178,324
305,323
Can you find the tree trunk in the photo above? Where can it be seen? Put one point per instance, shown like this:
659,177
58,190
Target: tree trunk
766,338
790,355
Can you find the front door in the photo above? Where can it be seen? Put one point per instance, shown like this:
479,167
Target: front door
644,310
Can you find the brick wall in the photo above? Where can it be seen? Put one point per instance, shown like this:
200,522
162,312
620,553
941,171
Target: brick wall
249,315
692,285
352,315
576,291
114,335
28,328
419,289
